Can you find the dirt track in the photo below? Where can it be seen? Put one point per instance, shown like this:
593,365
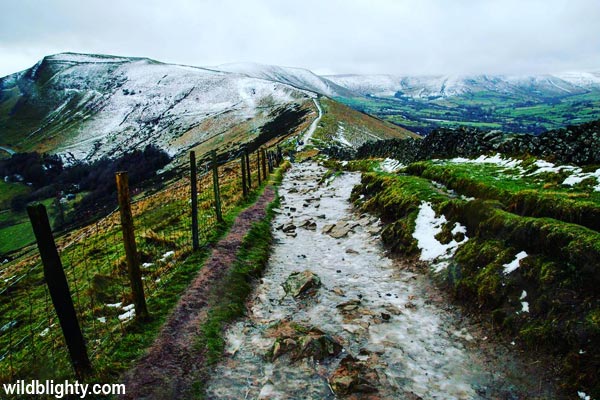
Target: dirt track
172,365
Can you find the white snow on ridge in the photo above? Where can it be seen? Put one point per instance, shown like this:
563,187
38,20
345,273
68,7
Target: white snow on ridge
152,102
579,177
297,77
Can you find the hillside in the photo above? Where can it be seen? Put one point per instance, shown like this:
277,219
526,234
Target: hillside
343,126
88,106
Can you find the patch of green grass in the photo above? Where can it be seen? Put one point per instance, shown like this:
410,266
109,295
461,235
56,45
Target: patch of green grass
539,195
230,295
9,190
15,236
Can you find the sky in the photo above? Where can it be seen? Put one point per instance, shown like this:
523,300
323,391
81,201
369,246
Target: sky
412,37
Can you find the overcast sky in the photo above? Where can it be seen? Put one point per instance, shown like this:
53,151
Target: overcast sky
327,36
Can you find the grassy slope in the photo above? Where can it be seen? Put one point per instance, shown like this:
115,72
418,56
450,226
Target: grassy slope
358,127
93,259
559,275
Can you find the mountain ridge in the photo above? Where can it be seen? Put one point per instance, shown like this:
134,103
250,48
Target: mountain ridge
86,106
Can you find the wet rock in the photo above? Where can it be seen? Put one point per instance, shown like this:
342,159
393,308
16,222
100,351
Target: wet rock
289,227
322,216
302,342
351,251
372,349
277,210
339,231
327,228
410,305
338,291
300,283
385,316
354,377
347,306
308,224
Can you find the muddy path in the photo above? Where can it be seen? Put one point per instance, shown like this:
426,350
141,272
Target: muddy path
400,337
172,365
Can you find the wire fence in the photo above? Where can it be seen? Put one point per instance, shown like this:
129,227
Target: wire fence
32,344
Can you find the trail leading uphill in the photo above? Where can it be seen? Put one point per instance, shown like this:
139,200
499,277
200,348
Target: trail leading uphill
363,326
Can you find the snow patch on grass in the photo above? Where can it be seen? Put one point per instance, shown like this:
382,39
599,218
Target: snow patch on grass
390,165
427,226
524,304
580,177
495,159
514,264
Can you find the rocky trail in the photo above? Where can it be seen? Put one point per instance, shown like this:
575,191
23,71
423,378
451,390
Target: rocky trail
335,317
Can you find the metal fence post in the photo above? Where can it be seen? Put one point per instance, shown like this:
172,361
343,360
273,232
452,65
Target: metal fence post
133,262
59,290
194,190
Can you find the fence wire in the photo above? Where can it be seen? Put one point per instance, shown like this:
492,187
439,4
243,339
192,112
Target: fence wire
93,258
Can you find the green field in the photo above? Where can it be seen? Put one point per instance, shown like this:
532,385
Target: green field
485,110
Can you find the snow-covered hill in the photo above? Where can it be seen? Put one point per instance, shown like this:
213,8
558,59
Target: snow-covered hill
88,106
297,77
423,87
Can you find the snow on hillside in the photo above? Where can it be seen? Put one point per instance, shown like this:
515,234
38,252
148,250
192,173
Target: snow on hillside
453,85
164,100
297,77
125,103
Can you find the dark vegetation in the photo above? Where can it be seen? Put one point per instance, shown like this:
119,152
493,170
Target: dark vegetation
50,178
576,144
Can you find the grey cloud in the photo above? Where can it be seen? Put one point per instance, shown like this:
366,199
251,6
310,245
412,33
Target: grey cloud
352,36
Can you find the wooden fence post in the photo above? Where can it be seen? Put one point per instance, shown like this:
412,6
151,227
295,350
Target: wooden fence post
258,165
194,189
264,164
248,170
133,261
270,155
244,187
216,188
59,290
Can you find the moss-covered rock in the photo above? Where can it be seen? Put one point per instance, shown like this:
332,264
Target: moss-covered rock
299,341
301,283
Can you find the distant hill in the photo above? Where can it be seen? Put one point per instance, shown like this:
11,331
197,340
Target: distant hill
526,104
